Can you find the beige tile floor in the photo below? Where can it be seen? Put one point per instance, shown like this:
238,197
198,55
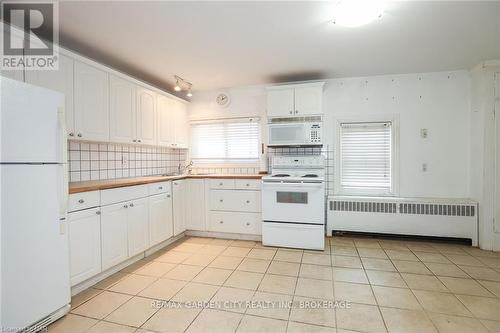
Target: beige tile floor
390,286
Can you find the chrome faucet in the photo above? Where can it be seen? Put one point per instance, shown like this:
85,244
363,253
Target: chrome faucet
187,166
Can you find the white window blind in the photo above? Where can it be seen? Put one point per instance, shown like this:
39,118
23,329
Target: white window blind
228,141
366,157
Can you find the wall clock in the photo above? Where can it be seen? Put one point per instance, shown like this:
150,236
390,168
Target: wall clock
223,99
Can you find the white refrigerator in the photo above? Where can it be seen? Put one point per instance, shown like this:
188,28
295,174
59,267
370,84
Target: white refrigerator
34,264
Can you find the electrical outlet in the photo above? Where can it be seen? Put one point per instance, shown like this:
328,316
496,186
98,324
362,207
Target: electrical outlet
424,167
124,160
423,133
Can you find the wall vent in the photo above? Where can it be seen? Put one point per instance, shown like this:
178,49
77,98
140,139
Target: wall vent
437,209
415,208
310,119
363,206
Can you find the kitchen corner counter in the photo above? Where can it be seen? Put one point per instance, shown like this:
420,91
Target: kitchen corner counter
95,185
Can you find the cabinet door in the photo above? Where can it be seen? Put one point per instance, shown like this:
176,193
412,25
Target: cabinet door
146,116
138,220
60,80
114,241
196,213
160,218
91,103
165,117
179,206
280,102
84,229
308,100
122,106
181,125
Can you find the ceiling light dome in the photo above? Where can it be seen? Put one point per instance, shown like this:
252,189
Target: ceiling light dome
355,13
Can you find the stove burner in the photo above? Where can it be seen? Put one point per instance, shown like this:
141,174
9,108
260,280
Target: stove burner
281,175
309,175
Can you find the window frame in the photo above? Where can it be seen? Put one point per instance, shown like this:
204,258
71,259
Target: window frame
394,190
236,162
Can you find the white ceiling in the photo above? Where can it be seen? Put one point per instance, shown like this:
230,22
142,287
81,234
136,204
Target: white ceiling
224,44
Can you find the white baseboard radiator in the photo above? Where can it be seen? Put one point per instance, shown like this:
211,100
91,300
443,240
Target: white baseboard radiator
402,216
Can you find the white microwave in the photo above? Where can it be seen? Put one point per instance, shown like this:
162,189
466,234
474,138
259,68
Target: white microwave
295,134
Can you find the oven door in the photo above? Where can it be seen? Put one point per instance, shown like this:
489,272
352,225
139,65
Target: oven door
293,202
287,134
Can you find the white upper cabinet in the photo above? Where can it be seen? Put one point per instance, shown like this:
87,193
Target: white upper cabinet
308,100
146,116
122,106
295,100
60,80
91,103
280,102
181,129
166,128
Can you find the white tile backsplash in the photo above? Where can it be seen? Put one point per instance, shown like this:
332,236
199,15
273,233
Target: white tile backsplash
100,161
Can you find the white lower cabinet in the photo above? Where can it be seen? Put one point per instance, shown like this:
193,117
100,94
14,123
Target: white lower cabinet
234,206
137,225
161,225
235,222
84,229
114,239
195,207
179,204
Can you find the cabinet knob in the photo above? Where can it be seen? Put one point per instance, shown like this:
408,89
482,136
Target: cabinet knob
98,212
248,201
79,135
168,195
81,201
221,222
291,112
71,134
134,140
131,205
248,223
160,187
125,206
221,200
296,111
247,184
220,184
138,140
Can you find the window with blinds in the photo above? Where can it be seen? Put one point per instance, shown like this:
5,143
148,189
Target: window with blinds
366,157
235,141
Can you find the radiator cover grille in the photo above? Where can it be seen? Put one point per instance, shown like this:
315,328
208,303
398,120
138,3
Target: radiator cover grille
414,208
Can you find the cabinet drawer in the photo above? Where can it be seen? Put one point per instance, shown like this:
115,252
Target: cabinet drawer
79,201
161,187
115,195
247,184
240,223
222,183
236,201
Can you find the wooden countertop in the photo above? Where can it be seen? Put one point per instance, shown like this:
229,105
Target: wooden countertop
94,185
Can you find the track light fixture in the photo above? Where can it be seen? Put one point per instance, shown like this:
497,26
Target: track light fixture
180,83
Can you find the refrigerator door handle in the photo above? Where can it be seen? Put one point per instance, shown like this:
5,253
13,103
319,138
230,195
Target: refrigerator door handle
64,160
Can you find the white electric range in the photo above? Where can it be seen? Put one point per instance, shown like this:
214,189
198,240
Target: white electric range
293,202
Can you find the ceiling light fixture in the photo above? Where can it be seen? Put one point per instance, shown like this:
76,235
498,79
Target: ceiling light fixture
355,13
180,83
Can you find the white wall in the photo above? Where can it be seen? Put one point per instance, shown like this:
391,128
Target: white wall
436,101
